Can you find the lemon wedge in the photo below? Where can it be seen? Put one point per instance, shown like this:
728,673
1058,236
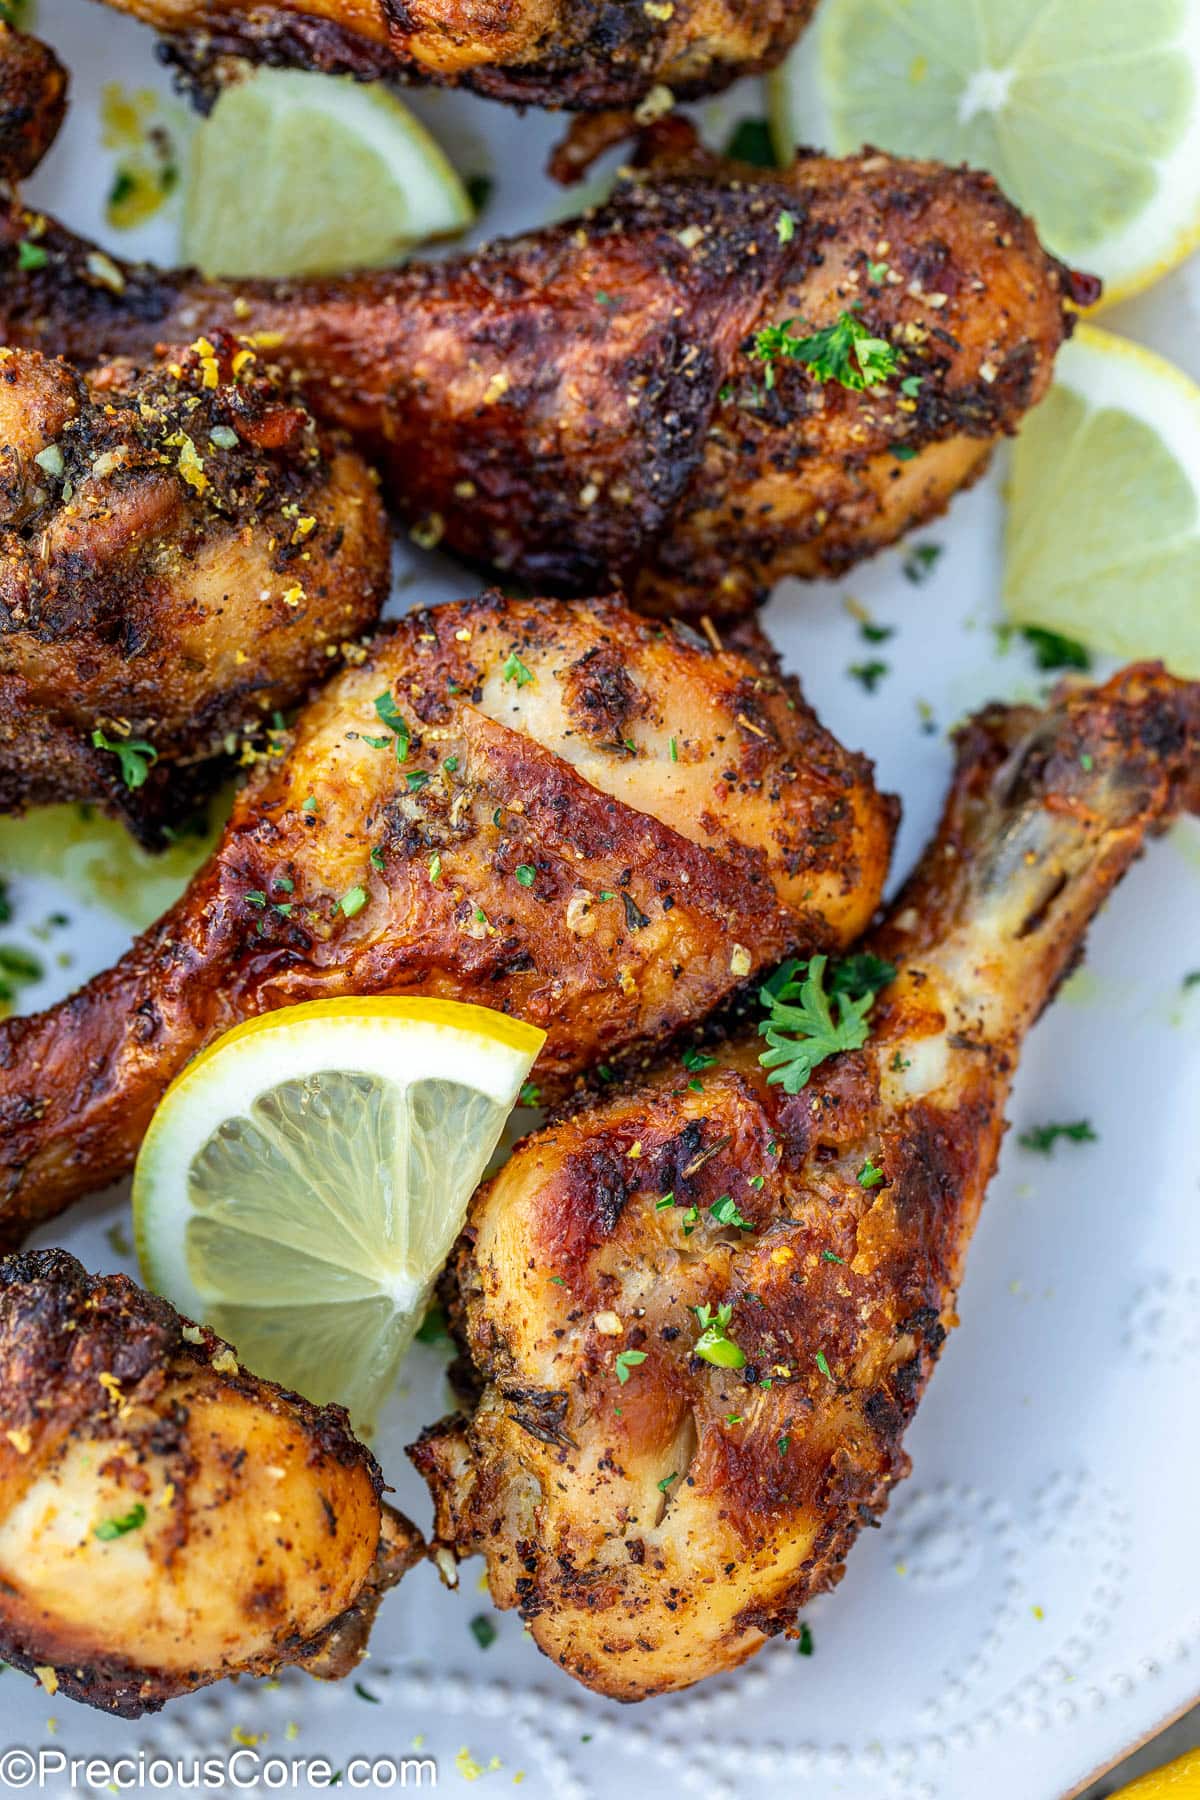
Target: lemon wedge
1087,112
304,1180
301,174
1103,535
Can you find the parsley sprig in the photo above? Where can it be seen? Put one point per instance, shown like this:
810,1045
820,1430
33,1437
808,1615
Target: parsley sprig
801,1029
715,1344
846,352
134,755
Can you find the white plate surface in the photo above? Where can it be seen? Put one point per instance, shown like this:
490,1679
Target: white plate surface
1031,1605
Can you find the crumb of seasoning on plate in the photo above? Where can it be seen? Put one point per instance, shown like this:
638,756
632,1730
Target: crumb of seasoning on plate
1038,1613
470,1769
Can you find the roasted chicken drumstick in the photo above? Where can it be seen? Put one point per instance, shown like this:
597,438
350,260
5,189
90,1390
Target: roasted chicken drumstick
574,53
166,1518
557,809
697,1363
181,553
719,378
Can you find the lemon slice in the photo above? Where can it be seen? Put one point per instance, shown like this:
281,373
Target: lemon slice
1178,1780
1103,538
1086,111
301,174
303,1181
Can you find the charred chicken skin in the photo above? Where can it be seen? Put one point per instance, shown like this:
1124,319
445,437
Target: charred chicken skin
572,53
561,810
166,1518
624,399
660,1488
181,553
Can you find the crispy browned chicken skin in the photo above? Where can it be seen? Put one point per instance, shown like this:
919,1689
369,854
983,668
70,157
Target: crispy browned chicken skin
583,406
561,810
181,553
166,1518
659,1531
574,53
33,102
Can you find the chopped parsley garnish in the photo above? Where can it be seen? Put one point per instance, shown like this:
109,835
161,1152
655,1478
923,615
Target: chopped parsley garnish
666,1481
674,749
479,190
756,1181
845,352
691,1218
870,674
697,1059
899,1063
735,1418
804,1645
785,227
353,902
18,969
910,387
750,142
309,805
1043,1138
870,1175
134,755
526,875
1053,651
31,256
920,562
829,1256
514,670
363,1694
823,1365
1190,980
627,1361
254,898
863,973
483,1631
666,1201
393,718
450,765
435,867
530,1093
415,780
877,273
377,857
783,1444
714,1343
800,1028
725,1212
133,1520
875,634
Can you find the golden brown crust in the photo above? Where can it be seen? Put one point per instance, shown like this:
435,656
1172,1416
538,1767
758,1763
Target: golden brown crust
167,1519
582,406
33,102
657,1531
600,824
555,53
182,553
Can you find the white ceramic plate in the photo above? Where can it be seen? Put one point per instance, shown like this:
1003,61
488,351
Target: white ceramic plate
1031,1606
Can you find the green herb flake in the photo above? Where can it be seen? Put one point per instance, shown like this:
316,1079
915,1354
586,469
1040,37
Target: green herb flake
804,1643
697,1059
756,1181
353,902
1053,651
31,256
674,749
666,1201
869,674
785,227
451,765
666,1481
415,780
435,867
714,1344
823,1365
514,670
920,562
1042,1138
530,1093
363,1694
869,1175
133,1520
254,898
828,1256
526,874
483,1631
783,1444
377,858
627,1361
387,710
134,755
725,1212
